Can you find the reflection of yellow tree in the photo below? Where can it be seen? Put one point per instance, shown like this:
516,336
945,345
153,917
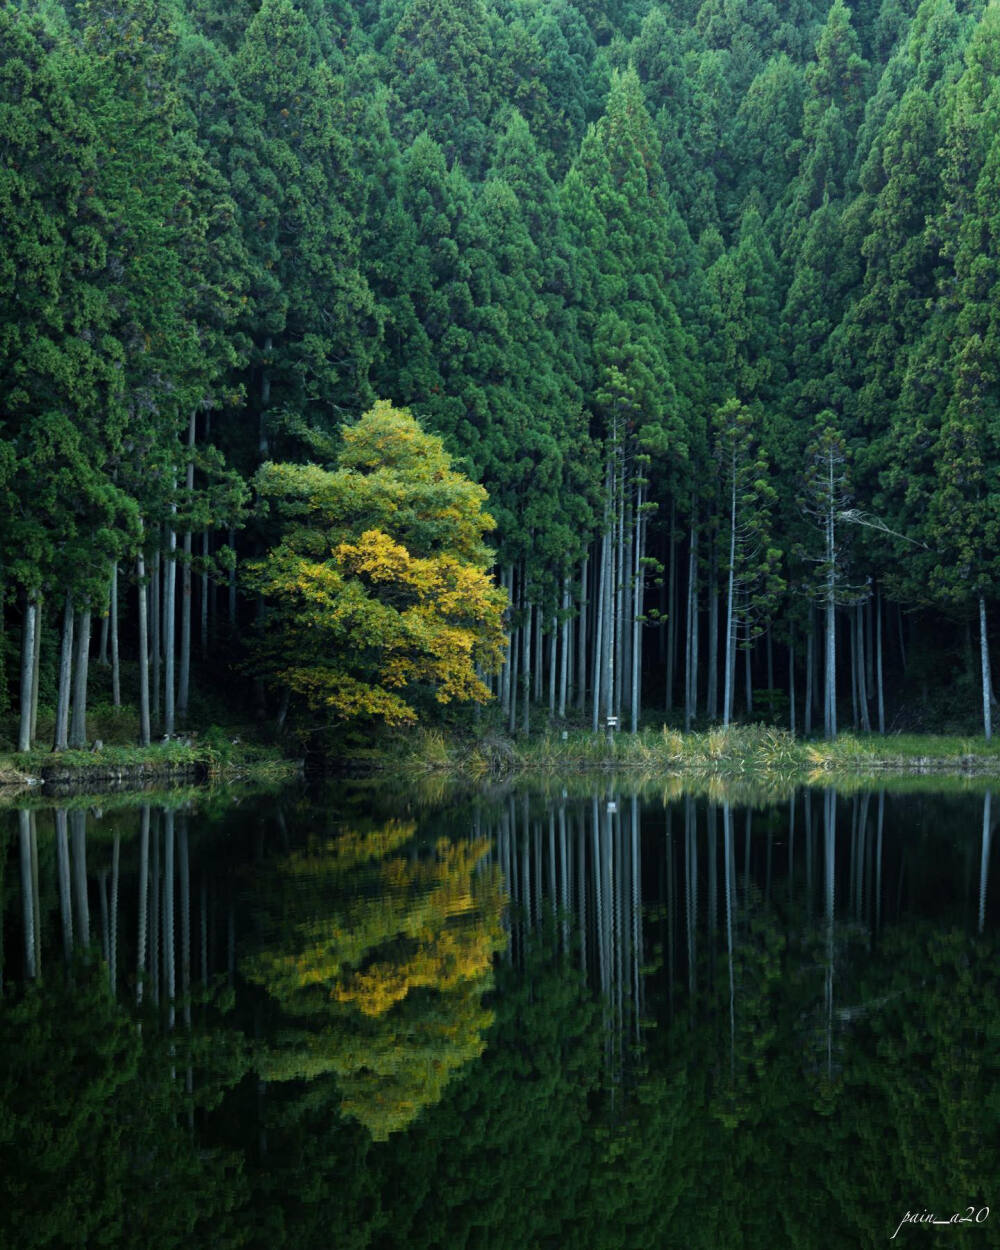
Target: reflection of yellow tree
389,954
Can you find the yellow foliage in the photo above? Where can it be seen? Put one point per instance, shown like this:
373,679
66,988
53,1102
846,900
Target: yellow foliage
381,581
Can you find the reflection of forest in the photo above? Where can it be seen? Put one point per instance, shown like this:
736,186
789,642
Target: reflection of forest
694,1025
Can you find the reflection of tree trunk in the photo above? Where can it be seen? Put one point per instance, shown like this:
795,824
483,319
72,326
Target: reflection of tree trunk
113,961
169,949
78,832
636,916
143,900
27,895
727,833
671,909
984,860
184,871
62,870
691,876
878,862
564,878
154,918
830,839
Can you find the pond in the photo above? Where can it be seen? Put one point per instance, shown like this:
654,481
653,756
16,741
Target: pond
584,1014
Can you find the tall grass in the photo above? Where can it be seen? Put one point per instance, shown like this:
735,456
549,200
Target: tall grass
739,751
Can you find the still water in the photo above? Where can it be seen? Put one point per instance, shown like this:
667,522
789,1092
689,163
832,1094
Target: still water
576,1018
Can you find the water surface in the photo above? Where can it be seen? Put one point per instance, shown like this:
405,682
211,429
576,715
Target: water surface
350,1018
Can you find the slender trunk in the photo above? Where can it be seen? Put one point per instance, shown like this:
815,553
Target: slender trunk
808,710
515,651
600,668
581,650
526,667
727,695
156,622
536,653
36,664
232,582
29,633
853,642
866,723
116,683
78,722
984,858
615,707
984,655
878,661
639,590
184,679
747,655
169,626
102,644
671,609
504,675
564,651
205,592
553,663
689,645
712,700
791,688
140,577
61,738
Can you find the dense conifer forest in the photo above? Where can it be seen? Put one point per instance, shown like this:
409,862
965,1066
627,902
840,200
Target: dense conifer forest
704,295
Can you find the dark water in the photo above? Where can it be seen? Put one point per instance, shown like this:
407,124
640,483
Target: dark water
359,1019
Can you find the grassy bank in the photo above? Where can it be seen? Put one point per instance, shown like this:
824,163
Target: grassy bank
178,762
740,751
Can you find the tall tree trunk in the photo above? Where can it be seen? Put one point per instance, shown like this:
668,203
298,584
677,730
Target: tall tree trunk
639,583
984,858
984,655
231,602
581,650
791,688
671,608
878,661
116,682
36,673
143,591
156,622
536,654
866,723
807,711
184,679
526,667
600,640
515,655
206,591
712,698
27,673
78,722
729,677
689,676
61,736
564,649
169,627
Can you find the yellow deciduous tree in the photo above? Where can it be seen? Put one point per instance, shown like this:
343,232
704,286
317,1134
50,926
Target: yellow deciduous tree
379,586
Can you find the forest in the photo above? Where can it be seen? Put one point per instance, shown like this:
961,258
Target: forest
620,363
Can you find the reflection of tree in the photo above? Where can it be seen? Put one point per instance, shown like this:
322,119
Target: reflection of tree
94,1143
387,953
